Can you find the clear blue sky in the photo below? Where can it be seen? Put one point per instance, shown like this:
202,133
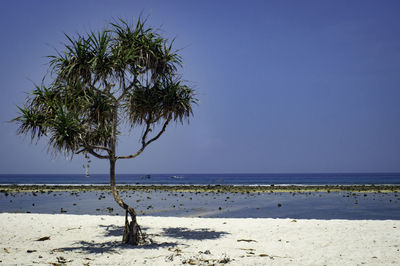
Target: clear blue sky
285,86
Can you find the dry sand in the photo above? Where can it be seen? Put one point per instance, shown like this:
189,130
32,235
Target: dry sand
95,240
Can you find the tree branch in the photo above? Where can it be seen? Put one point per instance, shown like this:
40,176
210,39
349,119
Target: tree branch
132,155
103,92
90,149
98,147
159,133
144,137
126,89
95,154
94,147
107,88
144,143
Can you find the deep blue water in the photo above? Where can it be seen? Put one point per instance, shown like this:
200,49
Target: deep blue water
207,179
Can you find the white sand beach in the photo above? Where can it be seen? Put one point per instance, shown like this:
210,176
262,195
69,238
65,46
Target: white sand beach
95,240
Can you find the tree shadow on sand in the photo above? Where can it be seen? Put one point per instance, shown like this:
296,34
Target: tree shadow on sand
112,247
117,246
189,234
114,230
176,232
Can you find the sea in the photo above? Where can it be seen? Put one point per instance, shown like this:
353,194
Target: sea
299,205
207,179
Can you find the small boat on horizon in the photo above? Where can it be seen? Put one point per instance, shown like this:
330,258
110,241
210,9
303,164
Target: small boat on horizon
177,177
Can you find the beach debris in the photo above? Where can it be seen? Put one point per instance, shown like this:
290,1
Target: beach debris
246,240
31,250
6,250
272,257
207,252
225,259
214,261
62,260
169,258
189,261
74,228
177,250
294,221
43,238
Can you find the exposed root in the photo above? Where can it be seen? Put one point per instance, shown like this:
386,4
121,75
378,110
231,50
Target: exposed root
133,234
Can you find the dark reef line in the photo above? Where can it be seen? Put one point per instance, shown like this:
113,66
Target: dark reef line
205,188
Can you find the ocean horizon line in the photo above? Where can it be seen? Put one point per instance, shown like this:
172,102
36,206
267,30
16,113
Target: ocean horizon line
219,173
207,179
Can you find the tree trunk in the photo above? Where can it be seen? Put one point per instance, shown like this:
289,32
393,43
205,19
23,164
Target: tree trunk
132,233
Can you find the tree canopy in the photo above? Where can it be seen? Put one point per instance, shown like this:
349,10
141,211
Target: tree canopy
123,74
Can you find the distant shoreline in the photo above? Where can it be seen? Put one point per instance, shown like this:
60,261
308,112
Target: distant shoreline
207,188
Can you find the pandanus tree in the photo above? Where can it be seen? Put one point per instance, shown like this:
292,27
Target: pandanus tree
101,82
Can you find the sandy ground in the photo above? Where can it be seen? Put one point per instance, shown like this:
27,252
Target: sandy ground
95,240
